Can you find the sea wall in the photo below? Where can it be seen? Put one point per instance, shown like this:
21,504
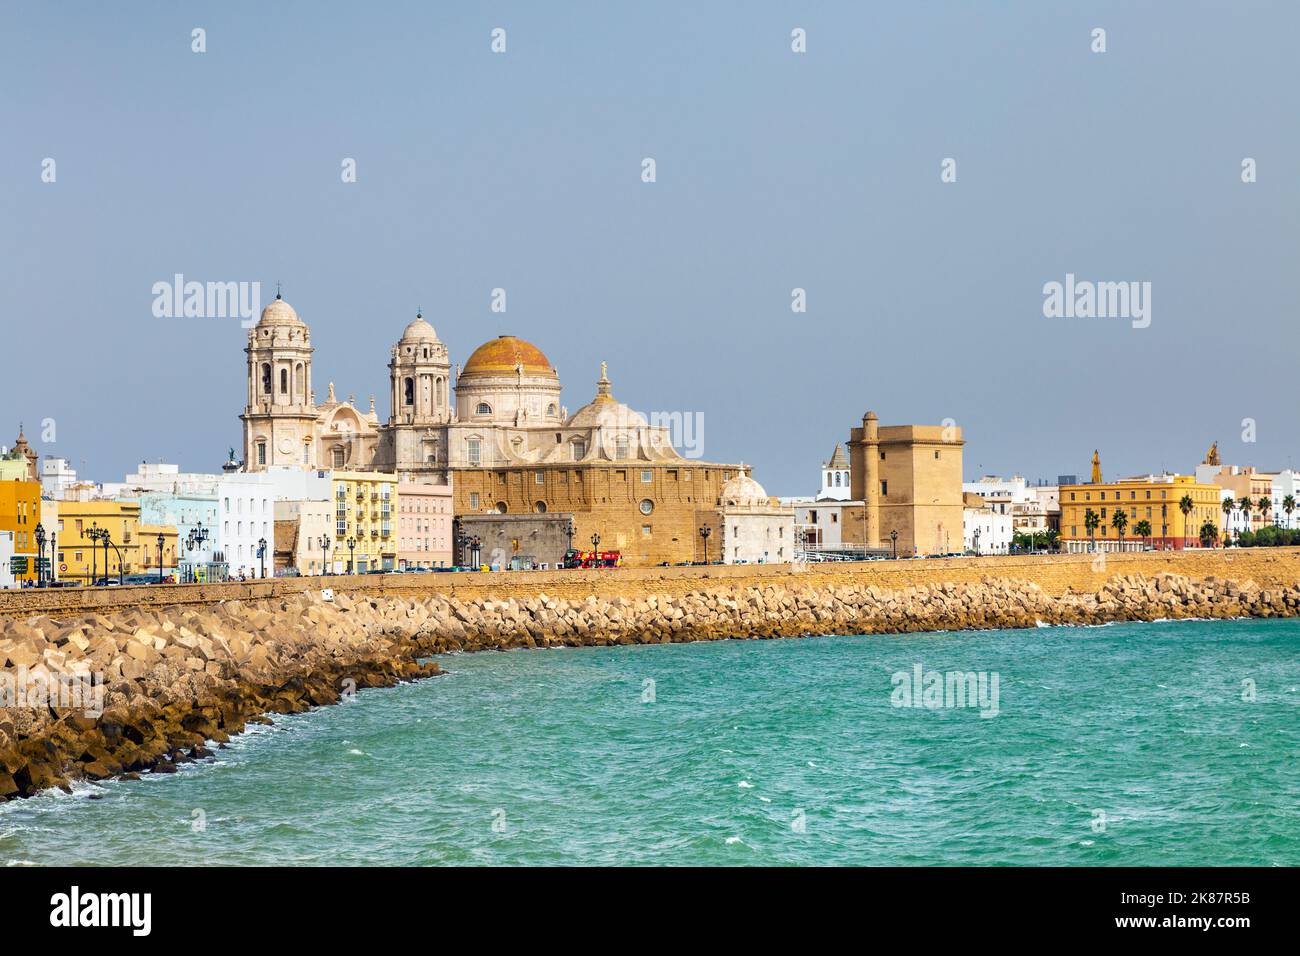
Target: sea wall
179,678
1054,574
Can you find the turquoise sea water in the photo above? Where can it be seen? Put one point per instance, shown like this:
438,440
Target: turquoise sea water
751,752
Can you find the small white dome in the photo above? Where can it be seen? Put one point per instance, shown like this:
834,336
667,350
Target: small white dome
743,491
279,312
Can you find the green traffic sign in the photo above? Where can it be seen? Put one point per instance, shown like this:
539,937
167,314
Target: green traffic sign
18,564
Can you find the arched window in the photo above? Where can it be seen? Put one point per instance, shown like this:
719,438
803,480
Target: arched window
540,507
266,379
501,507
284,381
837,479
300,381
483,409
550,410
408,391
438,390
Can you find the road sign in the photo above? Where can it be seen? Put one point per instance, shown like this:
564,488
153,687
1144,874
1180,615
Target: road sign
18,564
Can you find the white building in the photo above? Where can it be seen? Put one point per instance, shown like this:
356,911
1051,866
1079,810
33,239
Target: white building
7,579
1233,522
835,477
1286,483
985,531
56,477
756,529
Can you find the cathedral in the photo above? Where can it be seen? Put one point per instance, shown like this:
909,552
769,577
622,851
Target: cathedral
498,433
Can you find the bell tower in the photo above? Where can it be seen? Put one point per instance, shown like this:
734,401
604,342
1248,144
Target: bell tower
279,414
419,373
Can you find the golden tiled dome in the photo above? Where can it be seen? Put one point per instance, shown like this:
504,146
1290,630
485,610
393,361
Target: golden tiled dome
503,354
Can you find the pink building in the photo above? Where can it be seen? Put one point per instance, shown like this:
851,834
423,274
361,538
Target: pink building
424,515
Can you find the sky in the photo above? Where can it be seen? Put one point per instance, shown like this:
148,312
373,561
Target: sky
775,170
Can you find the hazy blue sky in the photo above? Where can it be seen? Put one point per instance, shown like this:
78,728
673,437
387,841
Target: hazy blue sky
775,170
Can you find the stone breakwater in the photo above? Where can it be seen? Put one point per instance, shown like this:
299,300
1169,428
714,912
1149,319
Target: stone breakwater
177,681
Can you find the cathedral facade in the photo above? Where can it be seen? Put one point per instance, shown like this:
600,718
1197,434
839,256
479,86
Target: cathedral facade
498,433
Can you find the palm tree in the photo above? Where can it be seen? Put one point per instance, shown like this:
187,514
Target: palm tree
1119,521
1209,534
1228,505
1288,505
1091,522
1185,506
1143,530
1246,506
1264,505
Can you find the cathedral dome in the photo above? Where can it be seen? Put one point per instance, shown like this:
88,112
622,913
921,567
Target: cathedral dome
606,411
503,355
743,491
279,313
419,331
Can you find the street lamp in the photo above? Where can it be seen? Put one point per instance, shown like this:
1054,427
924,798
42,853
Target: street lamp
352,554
93,534
977,542
161,539
40,555
261,553
195,540
571,530
704,533
893,543
474,544
595,541
324,552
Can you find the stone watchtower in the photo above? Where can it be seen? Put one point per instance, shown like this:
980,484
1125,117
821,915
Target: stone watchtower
908,478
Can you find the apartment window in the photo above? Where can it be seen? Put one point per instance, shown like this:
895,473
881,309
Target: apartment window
645,476
539,477
473,500
936,456
473,450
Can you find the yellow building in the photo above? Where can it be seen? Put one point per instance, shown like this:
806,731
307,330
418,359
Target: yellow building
365,522
81,556
20,511
1154,499
146,560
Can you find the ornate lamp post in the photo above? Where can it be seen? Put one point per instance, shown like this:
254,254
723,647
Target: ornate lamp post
93,534
352,554
261,553
195,540
704,533
324,553
893,543
977,542
40,555
161,539
571,530
474,544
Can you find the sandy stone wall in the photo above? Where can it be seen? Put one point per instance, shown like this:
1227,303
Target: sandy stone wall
1054,574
